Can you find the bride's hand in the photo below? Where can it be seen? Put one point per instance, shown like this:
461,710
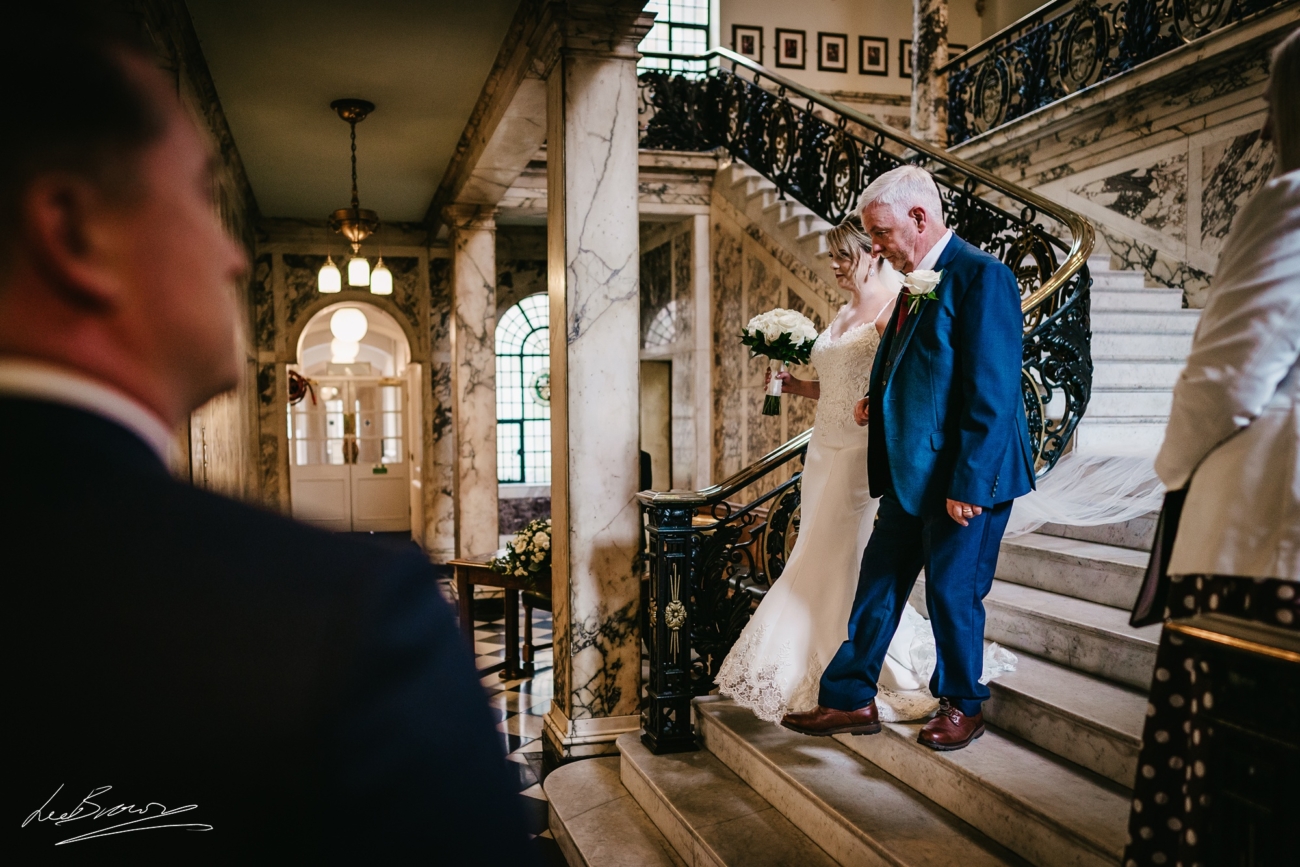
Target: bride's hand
789,384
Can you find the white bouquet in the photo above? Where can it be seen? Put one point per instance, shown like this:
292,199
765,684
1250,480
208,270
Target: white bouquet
528,553
785,337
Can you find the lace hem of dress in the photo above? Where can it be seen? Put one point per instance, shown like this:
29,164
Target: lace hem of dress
754,684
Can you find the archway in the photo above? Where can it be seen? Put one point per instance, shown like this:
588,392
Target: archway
354,422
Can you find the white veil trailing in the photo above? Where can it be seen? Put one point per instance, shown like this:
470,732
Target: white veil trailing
1088,490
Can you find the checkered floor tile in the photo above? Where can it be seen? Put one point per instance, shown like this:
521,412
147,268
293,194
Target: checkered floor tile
518,707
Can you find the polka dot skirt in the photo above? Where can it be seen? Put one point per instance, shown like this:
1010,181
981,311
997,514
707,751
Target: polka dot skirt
1170,795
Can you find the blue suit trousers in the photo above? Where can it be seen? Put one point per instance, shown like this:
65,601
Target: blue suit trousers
959,564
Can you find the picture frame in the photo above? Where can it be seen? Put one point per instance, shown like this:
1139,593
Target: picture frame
747,41
791,46
905,58
955,49
873,55
833,52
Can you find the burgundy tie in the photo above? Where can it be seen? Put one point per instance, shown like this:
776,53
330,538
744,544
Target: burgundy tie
902,312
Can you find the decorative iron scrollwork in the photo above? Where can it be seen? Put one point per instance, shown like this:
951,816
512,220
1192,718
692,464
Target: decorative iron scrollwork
1069,45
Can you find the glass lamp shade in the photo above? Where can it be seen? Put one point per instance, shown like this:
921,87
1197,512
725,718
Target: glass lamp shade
344,351
349,324
329,281
381,279
358,271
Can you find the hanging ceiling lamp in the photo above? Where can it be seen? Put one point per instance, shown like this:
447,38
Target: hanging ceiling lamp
354,223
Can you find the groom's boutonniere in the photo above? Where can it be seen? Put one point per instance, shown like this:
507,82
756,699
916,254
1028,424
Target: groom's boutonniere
919,286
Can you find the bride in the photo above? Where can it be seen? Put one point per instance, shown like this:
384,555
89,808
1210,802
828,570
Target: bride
777,662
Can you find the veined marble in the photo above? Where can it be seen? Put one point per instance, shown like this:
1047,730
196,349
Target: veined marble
595,360
929,91
473,376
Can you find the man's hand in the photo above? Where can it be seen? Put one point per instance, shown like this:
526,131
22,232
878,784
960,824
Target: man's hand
961,512
862,411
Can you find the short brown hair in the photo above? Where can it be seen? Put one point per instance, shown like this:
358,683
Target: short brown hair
79,109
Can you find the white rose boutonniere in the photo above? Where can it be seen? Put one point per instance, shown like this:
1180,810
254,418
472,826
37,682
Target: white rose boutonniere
919,286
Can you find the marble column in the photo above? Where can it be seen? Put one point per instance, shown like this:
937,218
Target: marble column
702,335
930,91
593,254
473,377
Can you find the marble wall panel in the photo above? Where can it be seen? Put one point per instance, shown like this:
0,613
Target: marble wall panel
1160,268
764,290
262,296
657,295
514,514
439,503
1155,195
517,279
410,294
299,289
1233,170
728,363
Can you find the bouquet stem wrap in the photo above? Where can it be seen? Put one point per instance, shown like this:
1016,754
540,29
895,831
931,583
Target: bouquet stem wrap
772,402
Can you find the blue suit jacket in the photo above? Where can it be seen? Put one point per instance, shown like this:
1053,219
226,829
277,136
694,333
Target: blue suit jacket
947,415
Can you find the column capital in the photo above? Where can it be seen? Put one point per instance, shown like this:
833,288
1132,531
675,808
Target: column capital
462,216
608,28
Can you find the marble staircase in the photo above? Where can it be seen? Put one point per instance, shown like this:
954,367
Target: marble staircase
1140,340
1047,784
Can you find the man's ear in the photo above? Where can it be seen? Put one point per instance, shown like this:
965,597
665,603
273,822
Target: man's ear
72,233
920,217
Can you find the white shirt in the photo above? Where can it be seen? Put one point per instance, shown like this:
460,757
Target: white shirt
37,380
930,259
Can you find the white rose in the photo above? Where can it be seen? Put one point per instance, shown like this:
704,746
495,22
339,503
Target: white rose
543,540
921,282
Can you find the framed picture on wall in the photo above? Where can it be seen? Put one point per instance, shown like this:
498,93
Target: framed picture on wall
905,58
833,52
790,46
747,41
873,55
955,50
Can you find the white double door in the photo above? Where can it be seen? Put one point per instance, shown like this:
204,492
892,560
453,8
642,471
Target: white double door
349,467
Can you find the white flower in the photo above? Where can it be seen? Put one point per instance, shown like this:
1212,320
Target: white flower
543,539
921,282
538,555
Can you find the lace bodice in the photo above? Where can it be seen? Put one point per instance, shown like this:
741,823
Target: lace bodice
843,368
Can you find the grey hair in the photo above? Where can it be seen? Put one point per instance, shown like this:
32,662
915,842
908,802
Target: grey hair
1284,107
902,189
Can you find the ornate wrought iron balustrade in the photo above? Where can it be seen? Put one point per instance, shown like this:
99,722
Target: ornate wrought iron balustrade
1069,45
704,573
710,560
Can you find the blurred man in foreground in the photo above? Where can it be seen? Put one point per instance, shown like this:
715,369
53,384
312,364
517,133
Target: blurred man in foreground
194,680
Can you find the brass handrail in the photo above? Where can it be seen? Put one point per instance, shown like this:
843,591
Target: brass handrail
737,481
1080,229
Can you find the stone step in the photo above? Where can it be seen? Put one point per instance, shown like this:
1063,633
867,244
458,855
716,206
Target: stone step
1143,322
596,823
1082,635
1139,345
1130,402
1084,719
1112,372
708,814
780,210
1103,279
1138,533
799,222
1040,806
1100,262
1133,435
1105,574
859,814
1158,300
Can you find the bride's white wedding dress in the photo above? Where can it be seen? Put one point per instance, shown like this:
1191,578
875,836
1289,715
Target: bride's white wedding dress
775,666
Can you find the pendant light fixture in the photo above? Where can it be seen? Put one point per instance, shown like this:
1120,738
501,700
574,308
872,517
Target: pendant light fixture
354,223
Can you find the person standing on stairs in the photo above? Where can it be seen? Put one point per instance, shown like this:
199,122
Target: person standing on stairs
948,453
1234,437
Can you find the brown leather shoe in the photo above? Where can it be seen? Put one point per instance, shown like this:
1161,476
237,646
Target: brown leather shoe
829,721
951,729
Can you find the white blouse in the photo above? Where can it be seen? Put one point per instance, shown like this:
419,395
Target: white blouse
1235,424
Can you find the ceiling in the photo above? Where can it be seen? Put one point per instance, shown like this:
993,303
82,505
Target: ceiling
277,65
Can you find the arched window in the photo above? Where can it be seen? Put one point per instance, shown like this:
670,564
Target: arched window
524,393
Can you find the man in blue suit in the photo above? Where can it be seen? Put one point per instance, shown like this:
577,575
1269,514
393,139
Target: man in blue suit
948,452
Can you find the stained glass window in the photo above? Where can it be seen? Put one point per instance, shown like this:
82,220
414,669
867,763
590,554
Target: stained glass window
524,393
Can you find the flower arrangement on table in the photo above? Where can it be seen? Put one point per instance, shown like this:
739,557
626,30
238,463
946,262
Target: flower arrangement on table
528,553
784,337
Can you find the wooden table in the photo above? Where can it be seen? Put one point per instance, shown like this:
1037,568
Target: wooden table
472,572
